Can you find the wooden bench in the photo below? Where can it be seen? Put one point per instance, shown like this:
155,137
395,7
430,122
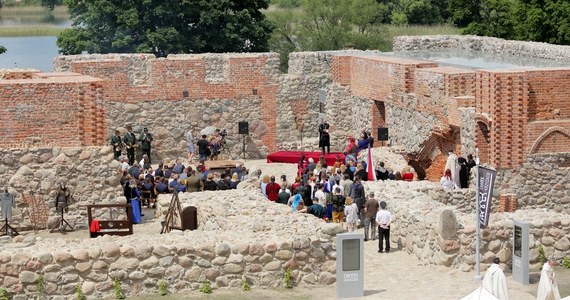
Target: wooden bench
111,227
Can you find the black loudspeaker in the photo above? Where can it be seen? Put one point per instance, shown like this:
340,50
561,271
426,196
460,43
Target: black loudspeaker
243,127
382,133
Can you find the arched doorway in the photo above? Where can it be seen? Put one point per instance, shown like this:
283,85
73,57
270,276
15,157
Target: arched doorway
483,141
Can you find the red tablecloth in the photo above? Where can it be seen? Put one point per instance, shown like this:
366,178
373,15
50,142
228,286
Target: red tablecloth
293,157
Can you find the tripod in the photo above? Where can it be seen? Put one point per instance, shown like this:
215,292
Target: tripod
9,229
62,225
225,149
243,152
174,210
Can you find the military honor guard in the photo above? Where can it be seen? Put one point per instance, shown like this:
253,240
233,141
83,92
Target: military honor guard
117,144
130,141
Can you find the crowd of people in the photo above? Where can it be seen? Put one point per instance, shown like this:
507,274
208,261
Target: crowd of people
143,183
335,193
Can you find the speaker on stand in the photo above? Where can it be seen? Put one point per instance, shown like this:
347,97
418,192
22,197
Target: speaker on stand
382,134
243,130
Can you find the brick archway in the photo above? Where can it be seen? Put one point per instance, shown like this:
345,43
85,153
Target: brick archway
560,137
433,155
483,137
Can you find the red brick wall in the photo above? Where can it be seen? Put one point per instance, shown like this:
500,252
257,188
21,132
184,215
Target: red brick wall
378,77
378,118
504,96
341,67
169,79
548,94
64,110
548,137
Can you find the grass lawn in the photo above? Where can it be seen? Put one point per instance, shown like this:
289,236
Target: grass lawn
16,31
31,21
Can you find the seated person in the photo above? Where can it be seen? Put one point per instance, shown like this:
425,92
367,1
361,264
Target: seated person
224,184
161,187
181,187
172,183
159,172
408,174
179,167
210,184
446,181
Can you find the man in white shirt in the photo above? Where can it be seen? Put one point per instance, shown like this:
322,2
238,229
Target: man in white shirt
320,194
383,220
495,281
124,163
337,185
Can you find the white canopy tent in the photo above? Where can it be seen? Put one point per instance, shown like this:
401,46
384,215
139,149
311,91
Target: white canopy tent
480,293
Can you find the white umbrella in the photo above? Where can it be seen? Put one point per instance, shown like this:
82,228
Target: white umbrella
480,293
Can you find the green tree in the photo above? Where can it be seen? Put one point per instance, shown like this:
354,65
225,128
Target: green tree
2,49
463,12
285,38
422,12
543,21
366,13
166,26
495,18
327,23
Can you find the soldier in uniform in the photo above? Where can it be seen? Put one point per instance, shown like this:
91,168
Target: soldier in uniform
145,139
117,144
130,140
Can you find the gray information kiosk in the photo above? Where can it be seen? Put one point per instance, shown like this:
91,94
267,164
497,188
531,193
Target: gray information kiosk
349,265
520,252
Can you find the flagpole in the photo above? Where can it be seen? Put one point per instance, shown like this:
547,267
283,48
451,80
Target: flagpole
478,227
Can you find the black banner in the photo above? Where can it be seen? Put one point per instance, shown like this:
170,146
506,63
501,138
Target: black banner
485,194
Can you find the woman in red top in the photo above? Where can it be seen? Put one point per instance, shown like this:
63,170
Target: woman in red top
302,166
351,148
296,184
407,174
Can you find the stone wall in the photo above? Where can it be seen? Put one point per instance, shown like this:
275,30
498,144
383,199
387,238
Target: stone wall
298,100
444,235
90,173
170,95
543,181
467,117
489,45
169,121
347,114
408,127
268,241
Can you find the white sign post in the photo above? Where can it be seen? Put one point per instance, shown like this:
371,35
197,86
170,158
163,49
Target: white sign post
349,265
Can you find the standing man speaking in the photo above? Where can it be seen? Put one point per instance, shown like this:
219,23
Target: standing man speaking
146,138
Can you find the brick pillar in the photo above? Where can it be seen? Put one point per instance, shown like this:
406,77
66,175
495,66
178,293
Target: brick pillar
341,72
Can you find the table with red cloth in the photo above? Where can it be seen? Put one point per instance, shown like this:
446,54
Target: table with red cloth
294,157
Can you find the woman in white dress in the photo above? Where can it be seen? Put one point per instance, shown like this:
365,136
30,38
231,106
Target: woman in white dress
191,149
351,213
446,181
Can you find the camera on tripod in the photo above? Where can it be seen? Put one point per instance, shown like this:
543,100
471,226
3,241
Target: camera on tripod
223,134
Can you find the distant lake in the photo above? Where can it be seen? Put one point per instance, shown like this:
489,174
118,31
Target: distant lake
36,52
